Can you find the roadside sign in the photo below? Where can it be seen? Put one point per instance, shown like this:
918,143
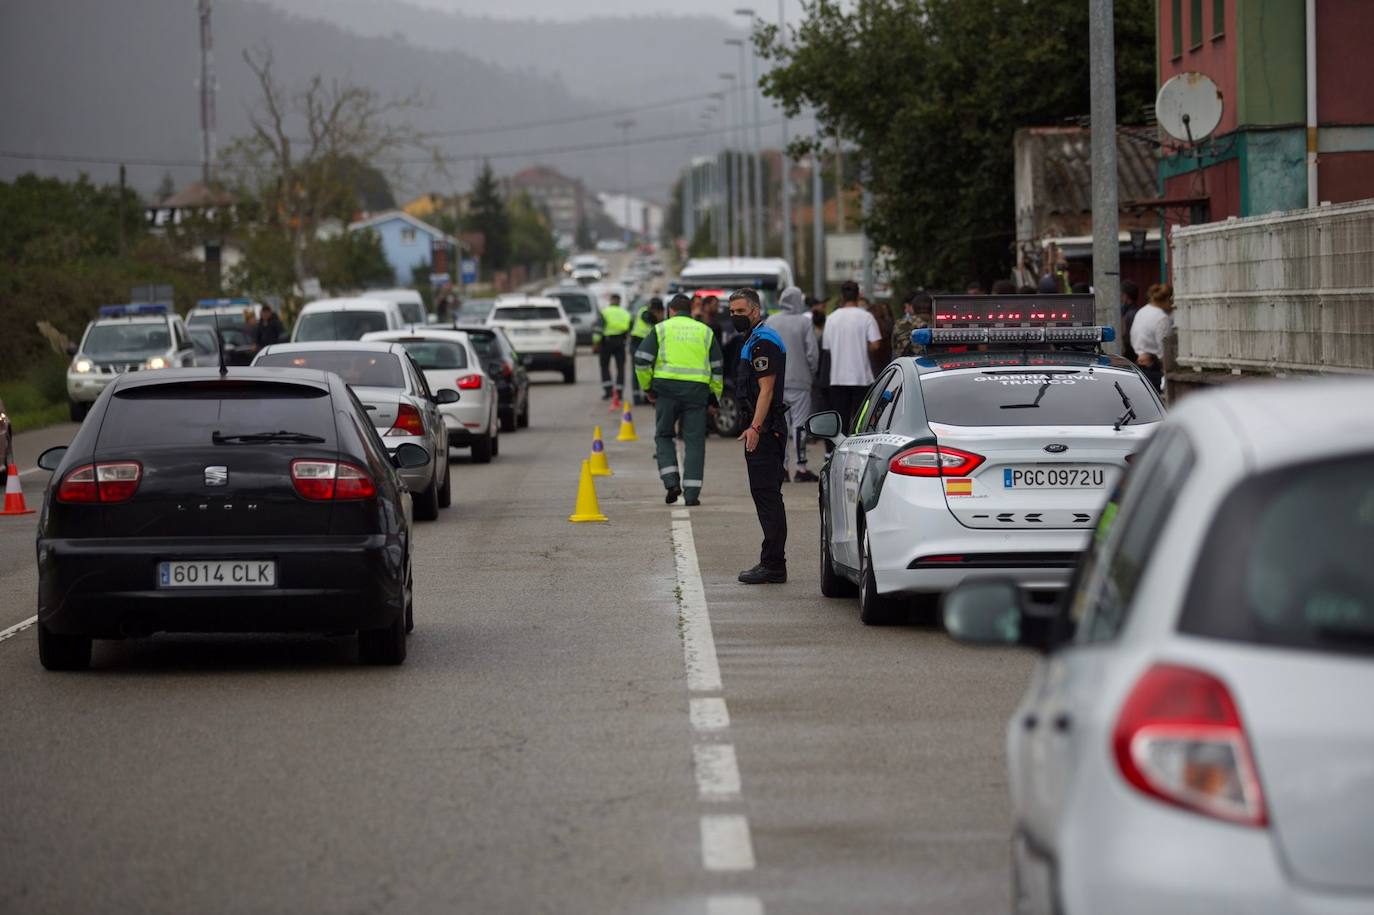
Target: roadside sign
469,270
844,261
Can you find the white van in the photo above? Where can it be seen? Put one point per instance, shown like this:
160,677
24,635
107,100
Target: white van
346,319
769,275
411,302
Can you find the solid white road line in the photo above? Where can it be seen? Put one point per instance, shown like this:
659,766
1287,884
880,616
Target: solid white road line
725,843
717,772
698,645
680,513
734,905
709,713
17,628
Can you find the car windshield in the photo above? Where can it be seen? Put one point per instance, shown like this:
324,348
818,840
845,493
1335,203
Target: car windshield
126,339
1287,561
412,312
437,354
203,339
363,368
475,309
1037,397
527,313
573,303
339,325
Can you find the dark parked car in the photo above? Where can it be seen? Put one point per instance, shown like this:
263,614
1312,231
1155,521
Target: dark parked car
507,369
262,501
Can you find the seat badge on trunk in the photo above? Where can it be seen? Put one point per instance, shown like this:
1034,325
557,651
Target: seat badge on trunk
217,476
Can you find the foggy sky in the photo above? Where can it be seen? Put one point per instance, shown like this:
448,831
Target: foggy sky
583,9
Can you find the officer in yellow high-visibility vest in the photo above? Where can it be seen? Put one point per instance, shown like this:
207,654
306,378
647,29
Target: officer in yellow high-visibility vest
608,342
648,316
680,368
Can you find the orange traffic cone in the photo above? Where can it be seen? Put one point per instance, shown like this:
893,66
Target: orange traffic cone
615,401
14,494
586,508
600,466
627,428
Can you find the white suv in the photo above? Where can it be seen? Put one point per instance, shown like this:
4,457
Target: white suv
540,331
125,338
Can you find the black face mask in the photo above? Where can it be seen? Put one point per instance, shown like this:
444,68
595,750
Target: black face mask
742,323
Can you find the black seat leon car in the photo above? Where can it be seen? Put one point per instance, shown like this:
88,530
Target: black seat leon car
258,500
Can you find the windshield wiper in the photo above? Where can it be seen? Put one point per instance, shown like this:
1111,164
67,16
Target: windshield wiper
1129,415
258,438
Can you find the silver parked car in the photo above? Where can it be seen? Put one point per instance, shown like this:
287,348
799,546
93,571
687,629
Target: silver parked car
393,391
1199,737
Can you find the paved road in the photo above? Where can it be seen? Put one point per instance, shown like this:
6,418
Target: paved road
536,752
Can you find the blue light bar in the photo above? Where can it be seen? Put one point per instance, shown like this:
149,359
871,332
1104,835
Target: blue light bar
213,302
975,336
134,308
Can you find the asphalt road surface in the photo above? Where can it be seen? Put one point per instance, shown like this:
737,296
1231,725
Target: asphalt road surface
593,718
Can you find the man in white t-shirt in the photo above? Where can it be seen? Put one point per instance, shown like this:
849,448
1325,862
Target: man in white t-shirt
851,333
1151,325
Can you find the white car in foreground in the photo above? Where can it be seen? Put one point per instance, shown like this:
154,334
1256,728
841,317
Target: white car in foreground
448,360
1199,737
540,331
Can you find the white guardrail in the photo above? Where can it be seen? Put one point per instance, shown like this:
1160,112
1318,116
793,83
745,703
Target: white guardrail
1286,292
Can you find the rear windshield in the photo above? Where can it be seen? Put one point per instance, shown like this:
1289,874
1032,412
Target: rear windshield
361,368
527,313
190,413
573,303
475,309
1045,397
1287,561
127,339
436,354
413,312
487,345
339,325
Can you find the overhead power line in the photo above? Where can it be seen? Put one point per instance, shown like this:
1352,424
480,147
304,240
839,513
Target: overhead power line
568,119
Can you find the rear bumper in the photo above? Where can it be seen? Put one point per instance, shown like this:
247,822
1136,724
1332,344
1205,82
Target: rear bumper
547,361
107,588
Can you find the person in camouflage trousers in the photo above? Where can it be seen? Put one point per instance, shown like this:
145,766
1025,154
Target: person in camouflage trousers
915,310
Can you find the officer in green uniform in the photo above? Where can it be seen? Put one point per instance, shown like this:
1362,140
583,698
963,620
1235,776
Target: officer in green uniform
648,316
680,368
608,342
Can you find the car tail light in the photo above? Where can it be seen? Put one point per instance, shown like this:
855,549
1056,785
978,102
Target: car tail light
325,481
935,461
561,328
507,370
408,421
1180,739
469,382
116,481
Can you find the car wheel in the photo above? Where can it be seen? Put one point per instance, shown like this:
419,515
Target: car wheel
508,420
427,502
833,584
446,491
385,646
874,609
63,652
523,420
727,415
410,596
495,444
482,450
570,374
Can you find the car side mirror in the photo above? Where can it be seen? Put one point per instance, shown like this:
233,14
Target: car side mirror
824,425
52,458
446,395
995,612
410,456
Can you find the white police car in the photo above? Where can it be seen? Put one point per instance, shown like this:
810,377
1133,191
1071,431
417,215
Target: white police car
125,338
992,455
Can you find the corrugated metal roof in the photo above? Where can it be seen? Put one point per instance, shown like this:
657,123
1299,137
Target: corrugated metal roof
1059,161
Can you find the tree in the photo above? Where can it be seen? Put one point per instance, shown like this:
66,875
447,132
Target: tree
583,239
351,260
166,188
49,220
487,214
531,239
931,93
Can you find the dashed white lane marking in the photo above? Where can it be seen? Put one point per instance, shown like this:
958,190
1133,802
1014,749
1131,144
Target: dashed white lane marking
698,645
734,905
17,628
717,772
725,843
709,713
680,513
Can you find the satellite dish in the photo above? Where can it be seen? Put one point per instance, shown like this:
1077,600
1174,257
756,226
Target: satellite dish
1188,107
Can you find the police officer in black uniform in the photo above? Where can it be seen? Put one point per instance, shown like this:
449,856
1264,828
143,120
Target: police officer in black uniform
758,388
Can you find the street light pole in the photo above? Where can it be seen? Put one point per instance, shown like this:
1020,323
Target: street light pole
625,126
742,122
732,173
760,206
817,221
785,185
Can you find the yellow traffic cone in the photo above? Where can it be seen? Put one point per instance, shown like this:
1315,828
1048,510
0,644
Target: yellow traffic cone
600,467
586,509
627,428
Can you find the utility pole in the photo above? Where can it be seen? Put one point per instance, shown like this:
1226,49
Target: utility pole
207,97
1106,241
760,206
867,208
817,222
732,175
786,162
742,122
839,186
625,126
121,209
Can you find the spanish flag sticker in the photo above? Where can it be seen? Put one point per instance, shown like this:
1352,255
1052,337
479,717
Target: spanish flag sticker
958,487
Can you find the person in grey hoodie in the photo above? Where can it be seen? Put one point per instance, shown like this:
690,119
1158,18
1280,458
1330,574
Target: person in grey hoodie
798,334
